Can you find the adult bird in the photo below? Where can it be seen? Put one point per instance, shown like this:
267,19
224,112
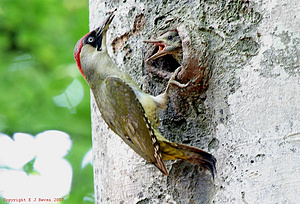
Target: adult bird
126,109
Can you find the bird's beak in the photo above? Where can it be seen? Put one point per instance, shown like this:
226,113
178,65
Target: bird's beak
163,48
105,24
100,31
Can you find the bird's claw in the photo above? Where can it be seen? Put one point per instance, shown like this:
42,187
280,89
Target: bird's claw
161,100
174,82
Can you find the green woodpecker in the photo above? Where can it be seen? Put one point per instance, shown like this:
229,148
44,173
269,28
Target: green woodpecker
168,43
127,110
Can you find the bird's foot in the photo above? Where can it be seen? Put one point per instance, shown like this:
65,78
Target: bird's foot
161,100
173,81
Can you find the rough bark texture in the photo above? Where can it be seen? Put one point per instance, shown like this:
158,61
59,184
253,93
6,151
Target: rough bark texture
248,116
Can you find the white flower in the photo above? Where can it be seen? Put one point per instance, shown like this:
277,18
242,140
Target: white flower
53,175
87,159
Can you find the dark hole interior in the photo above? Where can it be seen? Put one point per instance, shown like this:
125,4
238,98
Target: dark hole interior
166,63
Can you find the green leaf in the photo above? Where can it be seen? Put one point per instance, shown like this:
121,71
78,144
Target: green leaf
29,168
71,97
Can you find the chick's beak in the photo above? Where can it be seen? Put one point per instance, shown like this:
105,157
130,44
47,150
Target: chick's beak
163,48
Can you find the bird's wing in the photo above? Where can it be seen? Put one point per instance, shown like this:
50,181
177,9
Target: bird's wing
125,115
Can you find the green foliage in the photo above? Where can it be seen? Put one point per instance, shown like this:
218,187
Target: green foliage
37,64
28,168
37,39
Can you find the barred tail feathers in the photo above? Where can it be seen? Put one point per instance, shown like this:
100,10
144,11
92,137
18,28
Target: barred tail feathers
173,151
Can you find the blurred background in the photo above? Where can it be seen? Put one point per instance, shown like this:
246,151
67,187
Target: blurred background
42,89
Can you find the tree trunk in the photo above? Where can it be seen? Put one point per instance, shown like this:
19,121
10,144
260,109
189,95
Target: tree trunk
248,117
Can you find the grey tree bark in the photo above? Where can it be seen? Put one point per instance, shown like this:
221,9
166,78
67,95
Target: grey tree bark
248,117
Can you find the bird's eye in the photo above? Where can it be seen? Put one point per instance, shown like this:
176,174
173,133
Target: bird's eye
91,39
170,37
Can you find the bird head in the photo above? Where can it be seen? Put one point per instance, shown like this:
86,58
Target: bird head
168,43
92,42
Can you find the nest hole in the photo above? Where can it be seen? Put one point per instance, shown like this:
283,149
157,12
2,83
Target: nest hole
161,67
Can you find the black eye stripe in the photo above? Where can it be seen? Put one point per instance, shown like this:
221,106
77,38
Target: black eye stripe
94,40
